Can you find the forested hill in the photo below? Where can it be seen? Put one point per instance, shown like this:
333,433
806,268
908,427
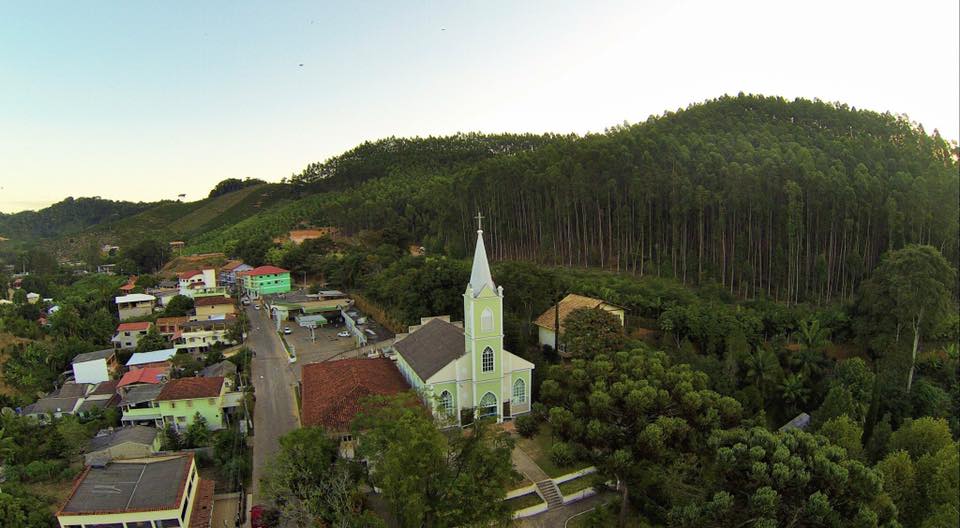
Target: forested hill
65,217
794,199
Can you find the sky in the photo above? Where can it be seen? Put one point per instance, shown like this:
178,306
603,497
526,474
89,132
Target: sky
148,100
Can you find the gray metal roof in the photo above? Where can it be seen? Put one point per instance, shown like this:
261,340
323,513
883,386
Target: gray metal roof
52,404
432,347
137,434
222,369
90,356
141,393
123,486
72,390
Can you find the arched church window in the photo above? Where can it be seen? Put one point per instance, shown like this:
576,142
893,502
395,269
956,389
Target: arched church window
519,391
488,405
486,320
487,360
446,402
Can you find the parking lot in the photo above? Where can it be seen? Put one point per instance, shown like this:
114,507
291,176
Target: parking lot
326,346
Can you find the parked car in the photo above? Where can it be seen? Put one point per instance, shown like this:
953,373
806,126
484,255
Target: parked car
256,306
343,334
286,330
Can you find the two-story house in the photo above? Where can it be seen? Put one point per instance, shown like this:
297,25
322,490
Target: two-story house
94,367
228,273
214,307
135,305
129,334
181,399
193,280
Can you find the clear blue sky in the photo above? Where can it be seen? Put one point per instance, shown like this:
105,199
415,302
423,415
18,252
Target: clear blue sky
146,100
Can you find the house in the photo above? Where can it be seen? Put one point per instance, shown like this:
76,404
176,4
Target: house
137,402
196,280
264,280
199,336
164,294
94,367
144,376
168,326
181,399
799,422
135,305
60,402
107,269
224,369
547,322
214,306
176,246
130,285
332,391
463,372
102,397
156,358
297,304
159,491
229,271
137,441
129,334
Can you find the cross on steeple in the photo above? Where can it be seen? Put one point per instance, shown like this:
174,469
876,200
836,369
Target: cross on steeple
479,218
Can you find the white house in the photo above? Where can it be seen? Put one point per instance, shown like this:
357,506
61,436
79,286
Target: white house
193,280
94,367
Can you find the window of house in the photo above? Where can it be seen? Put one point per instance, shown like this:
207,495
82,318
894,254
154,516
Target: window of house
446,403
212,401
181,419
487,360
189,403
169,523
173,405
519,391
346,438
486,320
488,405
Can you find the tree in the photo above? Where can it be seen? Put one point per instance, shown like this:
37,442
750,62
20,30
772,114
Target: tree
152,341
178,306
911,292
149,255
844,432
430,477
75,435
230,185
763,368
588,332
184,365
171,440
310,485
764,479
634,415
198,435
920,437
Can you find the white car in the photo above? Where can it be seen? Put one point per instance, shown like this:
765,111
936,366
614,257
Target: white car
286,330
343,334
256,306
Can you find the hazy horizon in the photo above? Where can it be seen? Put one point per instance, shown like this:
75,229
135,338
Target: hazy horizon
145,102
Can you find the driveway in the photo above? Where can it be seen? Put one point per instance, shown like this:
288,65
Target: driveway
275,413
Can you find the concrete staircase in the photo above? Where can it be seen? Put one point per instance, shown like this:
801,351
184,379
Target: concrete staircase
551,493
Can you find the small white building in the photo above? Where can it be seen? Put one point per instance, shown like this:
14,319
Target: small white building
135,305
129,334
94,367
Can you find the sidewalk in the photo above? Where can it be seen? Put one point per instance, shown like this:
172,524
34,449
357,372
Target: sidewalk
526,466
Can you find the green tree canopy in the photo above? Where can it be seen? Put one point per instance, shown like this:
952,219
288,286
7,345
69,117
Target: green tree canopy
588,332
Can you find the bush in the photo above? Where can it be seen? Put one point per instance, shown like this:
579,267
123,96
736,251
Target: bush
527,425
539,412
561,454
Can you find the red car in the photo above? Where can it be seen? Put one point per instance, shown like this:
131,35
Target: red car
258,515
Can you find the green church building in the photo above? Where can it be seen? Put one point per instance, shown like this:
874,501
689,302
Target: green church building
462,370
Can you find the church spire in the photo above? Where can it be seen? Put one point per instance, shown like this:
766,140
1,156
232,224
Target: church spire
480,274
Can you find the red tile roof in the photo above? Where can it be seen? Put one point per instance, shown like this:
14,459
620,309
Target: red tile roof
187,274
264,270
332,390
212,300
145,375
134,327
202,514
190,388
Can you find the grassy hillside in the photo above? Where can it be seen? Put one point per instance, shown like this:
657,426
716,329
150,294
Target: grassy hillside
169,220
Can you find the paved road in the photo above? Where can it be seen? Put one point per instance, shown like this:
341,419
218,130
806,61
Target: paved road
275,413
558,517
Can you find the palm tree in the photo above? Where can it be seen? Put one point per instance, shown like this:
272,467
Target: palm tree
794,390
811,335
763,368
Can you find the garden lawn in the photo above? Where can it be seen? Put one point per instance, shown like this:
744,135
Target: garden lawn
524,501
538,448
572,486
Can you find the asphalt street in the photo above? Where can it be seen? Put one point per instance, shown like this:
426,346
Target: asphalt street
275,413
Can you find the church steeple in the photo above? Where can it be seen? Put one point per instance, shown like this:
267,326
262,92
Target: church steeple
480,274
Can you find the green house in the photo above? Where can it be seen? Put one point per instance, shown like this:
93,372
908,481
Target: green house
462,370
264,281
181,399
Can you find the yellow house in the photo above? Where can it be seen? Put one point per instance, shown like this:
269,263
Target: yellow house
154,492
546,323
214,307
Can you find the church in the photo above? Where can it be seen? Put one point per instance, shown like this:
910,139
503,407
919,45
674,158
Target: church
461,369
